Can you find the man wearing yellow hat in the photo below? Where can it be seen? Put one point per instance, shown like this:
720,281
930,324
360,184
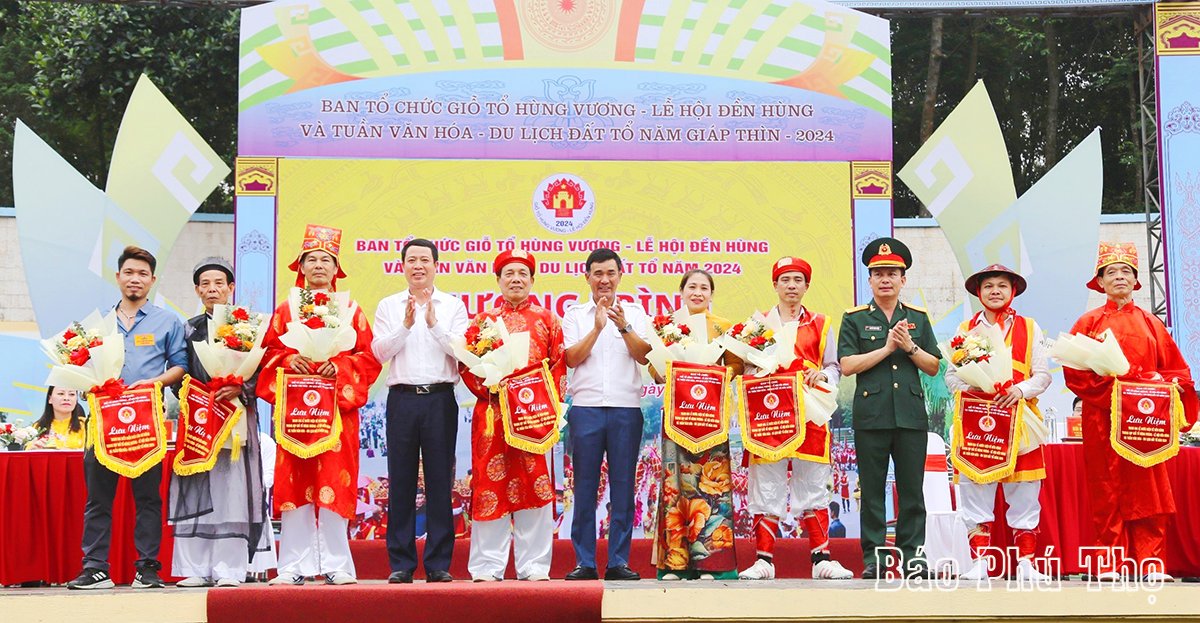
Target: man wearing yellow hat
997,286
512,489
886,342
1131,504
316,497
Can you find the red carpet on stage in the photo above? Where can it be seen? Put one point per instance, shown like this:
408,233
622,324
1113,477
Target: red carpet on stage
791,558
419,602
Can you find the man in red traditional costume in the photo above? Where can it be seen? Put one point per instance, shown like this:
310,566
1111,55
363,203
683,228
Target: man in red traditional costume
811,470
513,491
997,286
316,497
1131,505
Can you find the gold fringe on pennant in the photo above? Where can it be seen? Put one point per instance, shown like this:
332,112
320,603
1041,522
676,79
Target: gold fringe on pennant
131,470
489,428
235,454
304,451
189,468
1175,417
522,443
763,452
965,467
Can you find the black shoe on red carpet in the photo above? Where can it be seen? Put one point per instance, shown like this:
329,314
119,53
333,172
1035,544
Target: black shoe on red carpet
438,576
621,573
400,577
583,573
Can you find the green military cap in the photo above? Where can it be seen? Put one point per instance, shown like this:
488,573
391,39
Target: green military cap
886,253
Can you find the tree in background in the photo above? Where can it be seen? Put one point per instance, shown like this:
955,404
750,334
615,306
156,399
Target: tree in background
68,70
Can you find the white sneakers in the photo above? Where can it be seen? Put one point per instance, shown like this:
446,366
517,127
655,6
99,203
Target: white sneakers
669,577
536,577
1157,577
1026,572
978,571
760,570
340,578
193,582
484,578
228,582
828,570
287,580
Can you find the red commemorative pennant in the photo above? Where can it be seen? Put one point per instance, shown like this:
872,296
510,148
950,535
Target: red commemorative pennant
204,425
771,415
128,429
984,447
694,401
307,422
530,409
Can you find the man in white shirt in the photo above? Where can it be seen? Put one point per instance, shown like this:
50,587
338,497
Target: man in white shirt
412,333
605,341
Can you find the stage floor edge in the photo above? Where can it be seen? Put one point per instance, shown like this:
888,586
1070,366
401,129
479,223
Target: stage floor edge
649,601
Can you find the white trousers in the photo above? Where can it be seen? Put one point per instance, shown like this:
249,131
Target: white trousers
979,503
768,487
314,544
531,532
214,559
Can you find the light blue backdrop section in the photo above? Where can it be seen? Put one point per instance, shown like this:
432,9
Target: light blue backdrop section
1179,185
872,219
254,253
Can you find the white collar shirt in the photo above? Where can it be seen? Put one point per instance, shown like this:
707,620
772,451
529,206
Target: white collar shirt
420,355
609,376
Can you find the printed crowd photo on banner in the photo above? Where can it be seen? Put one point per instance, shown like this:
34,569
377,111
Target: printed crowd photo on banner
679,136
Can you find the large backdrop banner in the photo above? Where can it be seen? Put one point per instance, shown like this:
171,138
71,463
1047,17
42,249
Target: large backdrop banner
719,135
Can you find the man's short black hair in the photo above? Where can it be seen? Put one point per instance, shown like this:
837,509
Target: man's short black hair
602,255
418,242
137,253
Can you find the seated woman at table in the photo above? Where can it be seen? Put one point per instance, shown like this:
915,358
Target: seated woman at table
61,426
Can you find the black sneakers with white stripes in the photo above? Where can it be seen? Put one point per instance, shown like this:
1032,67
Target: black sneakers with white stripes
89,579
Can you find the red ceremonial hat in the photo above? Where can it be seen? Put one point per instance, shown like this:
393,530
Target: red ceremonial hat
1018,282
790,264
319,238
1115,253
520,256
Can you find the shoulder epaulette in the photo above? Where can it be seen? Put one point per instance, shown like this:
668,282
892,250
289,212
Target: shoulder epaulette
857,309
915,308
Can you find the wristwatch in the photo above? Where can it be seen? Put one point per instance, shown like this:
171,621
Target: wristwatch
625,329
913,351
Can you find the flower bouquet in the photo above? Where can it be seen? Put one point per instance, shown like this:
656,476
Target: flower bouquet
765,342
234,348
86,355
16,438
489,351
1102,356
682,337
981,358
322,324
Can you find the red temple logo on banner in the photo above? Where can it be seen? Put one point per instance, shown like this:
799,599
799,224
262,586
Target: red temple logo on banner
563,203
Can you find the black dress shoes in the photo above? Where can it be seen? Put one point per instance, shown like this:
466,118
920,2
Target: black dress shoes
871,571
438,576
621,572
583,573
400,577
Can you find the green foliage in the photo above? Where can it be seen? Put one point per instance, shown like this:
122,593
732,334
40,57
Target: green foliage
1098,67
68,70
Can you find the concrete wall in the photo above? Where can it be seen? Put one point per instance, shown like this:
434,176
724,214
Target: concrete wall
935,274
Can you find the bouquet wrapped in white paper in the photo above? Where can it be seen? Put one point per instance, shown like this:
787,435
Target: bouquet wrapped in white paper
820,401
490,352
234,347
86,354
682,337
322,323
765,342
1103,356
1033,432
980,358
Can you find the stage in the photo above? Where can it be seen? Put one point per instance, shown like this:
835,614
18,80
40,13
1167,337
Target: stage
647,600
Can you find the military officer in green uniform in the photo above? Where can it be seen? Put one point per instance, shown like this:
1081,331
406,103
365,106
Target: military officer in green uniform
886,342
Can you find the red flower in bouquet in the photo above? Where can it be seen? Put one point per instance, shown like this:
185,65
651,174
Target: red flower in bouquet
472,333
737,328
758,341
314,322
320,298
240,313
95,342
233,342
684,329
957,341
68,335
80,357
661,321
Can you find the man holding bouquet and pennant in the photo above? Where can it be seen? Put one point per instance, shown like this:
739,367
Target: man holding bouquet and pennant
816,363
886,343
998,430
127,425
217,499
1131,421
317,371
514,427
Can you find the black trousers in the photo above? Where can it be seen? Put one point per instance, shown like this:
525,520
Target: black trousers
421,430
97,514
